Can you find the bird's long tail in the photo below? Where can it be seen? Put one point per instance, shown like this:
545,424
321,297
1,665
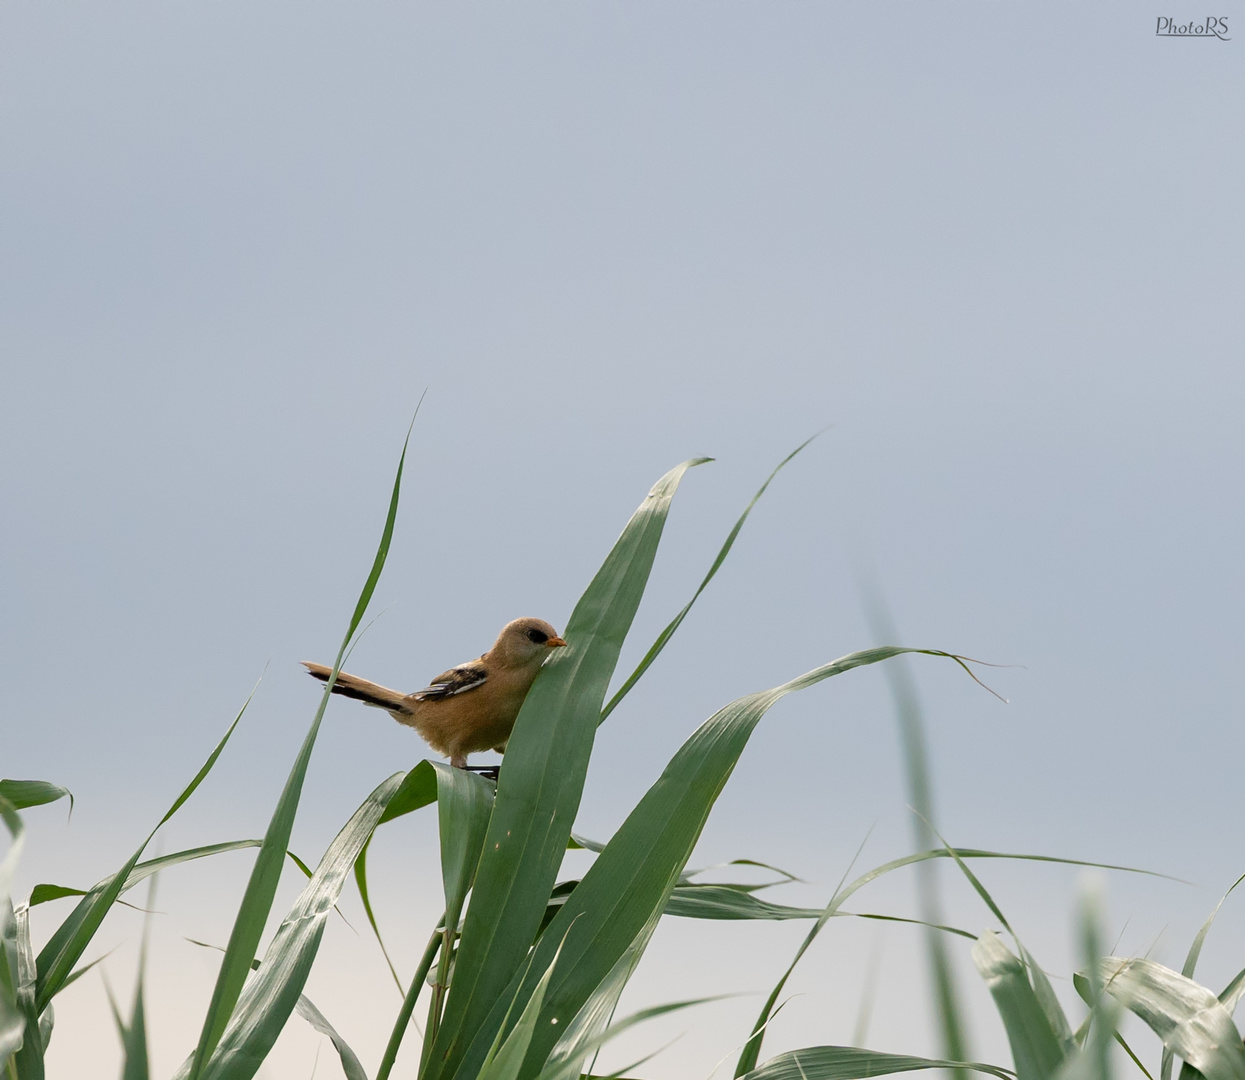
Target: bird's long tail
352,686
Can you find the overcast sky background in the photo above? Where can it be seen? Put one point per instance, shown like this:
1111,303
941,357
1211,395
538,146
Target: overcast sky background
997,248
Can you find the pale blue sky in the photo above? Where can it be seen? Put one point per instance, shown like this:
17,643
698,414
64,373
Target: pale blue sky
997,248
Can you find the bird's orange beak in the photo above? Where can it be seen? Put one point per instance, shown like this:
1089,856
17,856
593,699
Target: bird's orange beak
555,643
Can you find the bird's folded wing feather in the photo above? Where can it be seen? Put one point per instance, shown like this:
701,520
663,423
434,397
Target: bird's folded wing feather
457,680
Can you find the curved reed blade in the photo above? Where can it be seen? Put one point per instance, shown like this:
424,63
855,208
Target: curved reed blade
349,1059
1036,1048
24,793
539,790
850,1063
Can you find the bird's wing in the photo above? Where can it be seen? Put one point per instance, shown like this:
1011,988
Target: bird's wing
458,680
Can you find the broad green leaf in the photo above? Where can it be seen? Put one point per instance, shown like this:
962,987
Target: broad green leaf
640,867
29,1058
464,803
1190,1019
268,999
12,1018
24,793
419,789
57,958
850,1063
1190,965
1035,1047
350,1061
256,903
664,637
539,790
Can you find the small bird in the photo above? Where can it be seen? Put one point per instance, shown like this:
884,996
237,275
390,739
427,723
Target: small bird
471,707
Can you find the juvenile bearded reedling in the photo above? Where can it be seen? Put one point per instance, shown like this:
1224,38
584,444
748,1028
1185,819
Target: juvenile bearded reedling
472,707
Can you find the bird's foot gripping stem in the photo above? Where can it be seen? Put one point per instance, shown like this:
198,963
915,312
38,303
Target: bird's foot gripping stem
489,772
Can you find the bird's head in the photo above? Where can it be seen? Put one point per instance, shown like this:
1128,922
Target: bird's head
526,641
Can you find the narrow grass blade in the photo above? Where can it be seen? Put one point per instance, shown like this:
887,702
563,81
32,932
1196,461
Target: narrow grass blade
908,714
1190,1019
135,1065
464,804
580,1036
939,927
1036,1049
408,1006
664,637
1231,993
851,1063
57,958
506,1058
569,1070
12,1018
267,1001
785,879
638,870
360,879
722,902
1042,990
256,903
1090,1059
41,894
350,1061
24,793
269,998
540,786
85,968
418,790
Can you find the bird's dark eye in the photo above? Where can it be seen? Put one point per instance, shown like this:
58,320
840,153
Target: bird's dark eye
536,637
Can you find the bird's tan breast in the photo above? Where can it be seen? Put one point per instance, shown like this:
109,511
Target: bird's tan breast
475,720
